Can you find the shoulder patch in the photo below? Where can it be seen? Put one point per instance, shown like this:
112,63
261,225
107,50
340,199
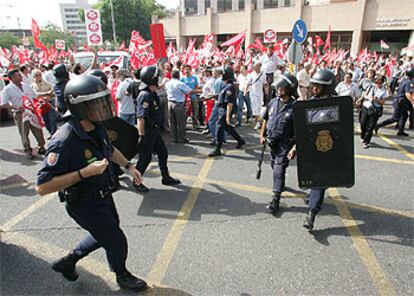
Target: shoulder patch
145,105
228,92
52,159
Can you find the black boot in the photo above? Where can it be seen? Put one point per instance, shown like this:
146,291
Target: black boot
402,133
274,204
215,152
128,281
168,180
310,220
306,200
141,187
67,266
240,143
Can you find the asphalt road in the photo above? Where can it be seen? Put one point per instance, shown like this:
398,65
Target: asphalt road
212,234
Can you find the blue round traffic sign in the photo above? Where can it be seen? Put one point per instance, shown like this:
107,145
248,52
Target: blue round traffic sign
299,31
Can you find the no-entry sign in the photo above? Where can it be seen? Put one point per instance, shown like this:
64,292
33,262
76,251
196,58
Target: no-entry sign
93,27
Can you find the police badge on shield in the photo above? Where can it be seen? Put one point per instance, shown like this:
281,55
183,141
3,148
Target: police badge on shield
324,141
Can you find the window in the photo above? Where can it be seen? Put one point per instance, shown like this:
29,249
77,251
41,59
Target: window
224,5
270,4
242,4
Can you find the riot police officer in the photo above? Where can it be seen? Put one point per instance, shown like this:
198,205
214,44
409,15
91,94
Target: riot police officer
76,165
402,103
225,102
323,85
62,77
278,130
150,121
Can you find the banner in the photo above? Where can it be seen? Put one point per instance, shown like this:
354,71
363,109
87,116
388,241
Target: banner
158,40
93,27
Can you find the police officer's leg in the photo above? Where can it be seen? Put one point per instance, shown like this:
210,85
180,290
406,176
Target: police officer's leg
403,106
162,153
220,128
395,117
145,156
410,116
279,165
316,198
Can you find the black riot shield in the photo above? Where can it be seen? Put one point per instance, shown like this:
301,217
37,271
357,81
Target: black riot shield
324,130
123,136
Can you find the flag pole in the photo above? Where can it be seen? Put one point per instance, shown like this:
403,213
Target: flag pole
113,21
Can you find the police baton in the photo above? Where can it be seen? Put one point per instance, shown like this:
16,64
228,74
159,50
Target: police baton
261,157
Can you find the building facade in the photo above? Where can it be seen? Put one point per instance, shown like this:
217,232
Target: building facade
70,18
355,24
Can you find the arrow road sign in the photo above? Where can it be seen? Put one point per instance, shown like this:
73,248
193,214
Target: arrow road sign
299,31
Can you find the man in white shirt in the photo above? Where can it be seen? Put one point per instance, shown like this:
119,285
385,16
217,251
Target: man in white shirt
304,81
48,75
12,98
126,102
176,92
270,63
26,76
347,87
255,83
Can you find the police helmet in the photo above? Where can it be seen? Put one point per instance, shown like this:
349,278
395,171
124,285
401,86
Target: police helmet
327,80
227,73
151,75
100,74
60,72
289,83
87,97
410,72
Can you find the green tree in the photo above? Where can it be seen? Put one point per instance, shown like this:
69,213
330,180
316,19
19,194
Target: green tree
51,32
129,15
8,39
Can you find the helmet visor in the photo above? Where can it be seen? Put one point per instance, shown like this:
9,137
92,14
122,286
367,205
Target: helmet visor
99,110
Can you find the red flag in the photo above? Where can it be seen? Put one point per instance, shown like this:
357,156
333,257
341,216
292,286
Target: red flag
328,40
236,41
35,32
33,114
158,40
318,41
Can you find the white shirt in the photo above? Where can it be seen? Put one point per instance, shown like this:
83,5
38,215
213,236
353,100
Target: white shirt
27,79
208,87
270,64
344,89
374,91
242,82
12,94
304,78
125,100
49,77
256,82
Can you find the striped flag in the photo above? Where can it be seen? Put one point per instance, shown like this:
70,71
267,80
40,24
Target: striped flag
384,45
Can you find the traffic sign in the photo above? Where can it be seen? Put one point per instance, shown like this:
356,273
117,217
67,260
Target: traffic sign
269,36
60,44
93,27
299,31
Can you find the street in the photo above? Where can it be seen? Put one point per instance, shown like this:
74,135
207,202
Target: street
212,235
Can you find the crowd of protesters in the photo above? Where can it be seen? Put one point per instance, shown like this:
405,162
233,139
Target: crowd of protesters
188,94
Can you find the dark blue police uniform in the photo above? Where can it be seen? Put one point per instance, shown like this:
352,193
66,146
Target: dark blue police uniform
59,89
148,107
227,95
280,136
89,202
401,105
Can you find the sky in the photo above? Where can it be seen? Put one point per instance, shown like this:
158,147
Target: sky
43,11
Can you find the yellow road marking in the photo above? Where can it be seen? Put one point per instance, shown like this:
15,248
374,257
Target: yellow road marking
367,256
397,146
384,159
164,257
27,212
287,194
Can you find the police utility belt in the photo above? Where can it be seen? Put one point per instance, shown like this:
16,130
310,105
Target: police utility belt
75,195
275,144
